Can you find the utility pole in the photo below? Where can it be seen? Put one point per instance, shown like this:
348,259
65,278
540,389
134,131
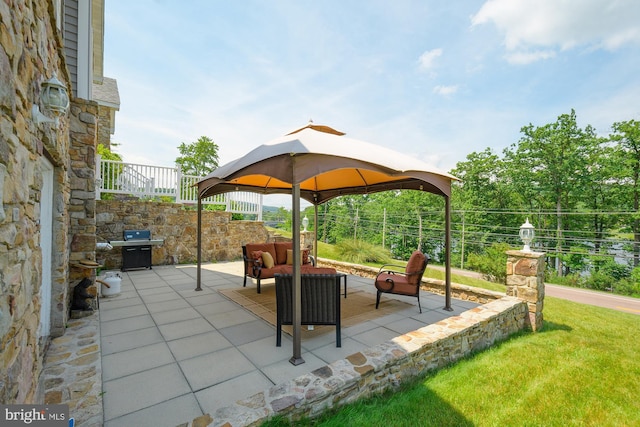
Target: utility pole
384,225
419,232
462,244
324,225
355,228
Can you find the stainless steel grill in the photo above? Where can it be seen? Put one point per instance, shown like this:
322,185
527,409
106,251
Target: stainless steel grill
136,248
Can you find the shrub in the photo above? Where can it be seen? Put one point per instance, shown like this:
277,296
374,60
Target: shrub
359,252
615,270
599,281
627,287
493,263
574,280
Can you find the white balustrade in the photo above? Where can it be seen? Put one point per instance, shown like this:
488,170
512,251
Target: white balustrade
160,181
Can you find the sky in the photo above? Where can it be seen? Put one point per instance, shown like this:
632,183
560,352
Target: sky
434,79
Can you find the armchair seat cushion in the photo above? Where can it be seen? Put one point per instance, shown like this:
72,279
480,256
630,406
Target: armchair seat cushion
395,283
402,283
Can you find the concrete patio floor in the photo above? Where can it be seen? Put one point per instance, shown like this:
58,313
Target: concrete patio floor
171,354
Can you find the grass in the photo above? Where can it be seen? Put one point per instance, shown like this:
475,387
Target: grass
581,369
465,280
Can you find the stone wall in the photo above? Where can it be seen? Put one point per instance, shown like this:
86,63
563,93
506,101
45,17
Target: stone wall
378,368
458,291
403,358
394,362
82,203
30,53
525,280
105,115
222,239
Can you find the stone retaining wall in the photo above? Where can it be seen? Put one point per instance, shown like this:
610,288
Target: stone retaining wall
222,239
378,368
385,366
458,291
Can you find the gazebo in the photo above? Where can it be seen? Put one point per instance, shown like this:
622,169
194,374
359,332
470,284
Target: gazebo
318,163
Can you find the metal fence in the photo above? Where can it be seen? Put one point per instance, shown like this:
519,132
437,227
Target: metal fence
144,181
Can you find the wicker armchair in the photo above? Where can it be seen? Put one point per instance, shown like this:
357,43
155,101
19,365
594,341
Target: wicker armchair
405,282
320,296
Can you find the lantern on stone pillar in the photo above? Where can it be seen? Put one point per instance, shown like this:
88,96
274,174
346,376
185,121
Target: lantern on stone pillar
527,233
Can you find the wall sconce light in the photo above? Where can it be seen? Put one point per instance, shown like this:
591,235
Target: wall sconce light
54,98
305,223
527,233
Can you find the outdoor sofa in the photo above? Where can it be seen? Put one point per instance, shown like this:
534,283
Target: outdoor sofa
264,260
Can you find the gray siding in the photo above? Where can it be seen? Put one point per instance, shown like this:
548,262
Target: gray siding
71,41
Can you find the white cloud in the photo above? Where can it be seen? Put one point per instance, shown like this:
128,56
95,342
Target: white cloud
445,90
566,24
428,58
523,58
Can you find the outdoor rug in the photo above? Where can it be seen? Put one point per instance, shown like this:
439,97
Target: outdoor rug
359,306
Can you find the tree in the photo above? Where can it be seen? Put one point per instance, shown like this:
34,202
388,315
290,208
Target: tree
107,154
484,186
109,172
551,163
627,136
600,194
198,158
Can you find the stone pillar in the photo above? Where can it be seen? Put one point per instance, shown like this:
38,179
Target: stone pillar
82,203
307,240
525,280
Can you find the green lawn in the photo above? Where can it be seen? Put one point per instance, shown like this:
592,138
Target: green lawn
581,369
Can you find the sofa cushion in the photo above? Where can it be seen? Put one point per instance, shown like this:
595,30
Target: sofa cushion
264,247
268,273
304,255
281,251
306,269
318,270
267,260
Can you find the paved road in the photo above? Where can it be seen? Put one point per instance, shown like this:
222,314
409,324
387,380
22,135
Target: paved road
600,299
584,296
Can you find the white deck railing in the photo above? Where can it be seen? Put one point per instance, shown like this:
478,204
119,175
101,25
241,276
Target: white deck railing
160,181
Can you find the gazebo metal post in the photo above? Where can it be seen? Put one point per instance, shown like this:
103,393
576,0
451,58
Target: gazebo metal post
296,359
447,251
315,233
199,244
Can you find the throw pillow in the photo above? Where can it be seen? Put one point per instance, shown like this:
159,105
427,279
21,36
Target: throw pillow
267,260
256,254
305,256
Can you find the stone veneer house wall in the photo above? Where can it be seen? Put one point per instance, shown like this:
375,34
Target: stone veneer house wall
47,185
